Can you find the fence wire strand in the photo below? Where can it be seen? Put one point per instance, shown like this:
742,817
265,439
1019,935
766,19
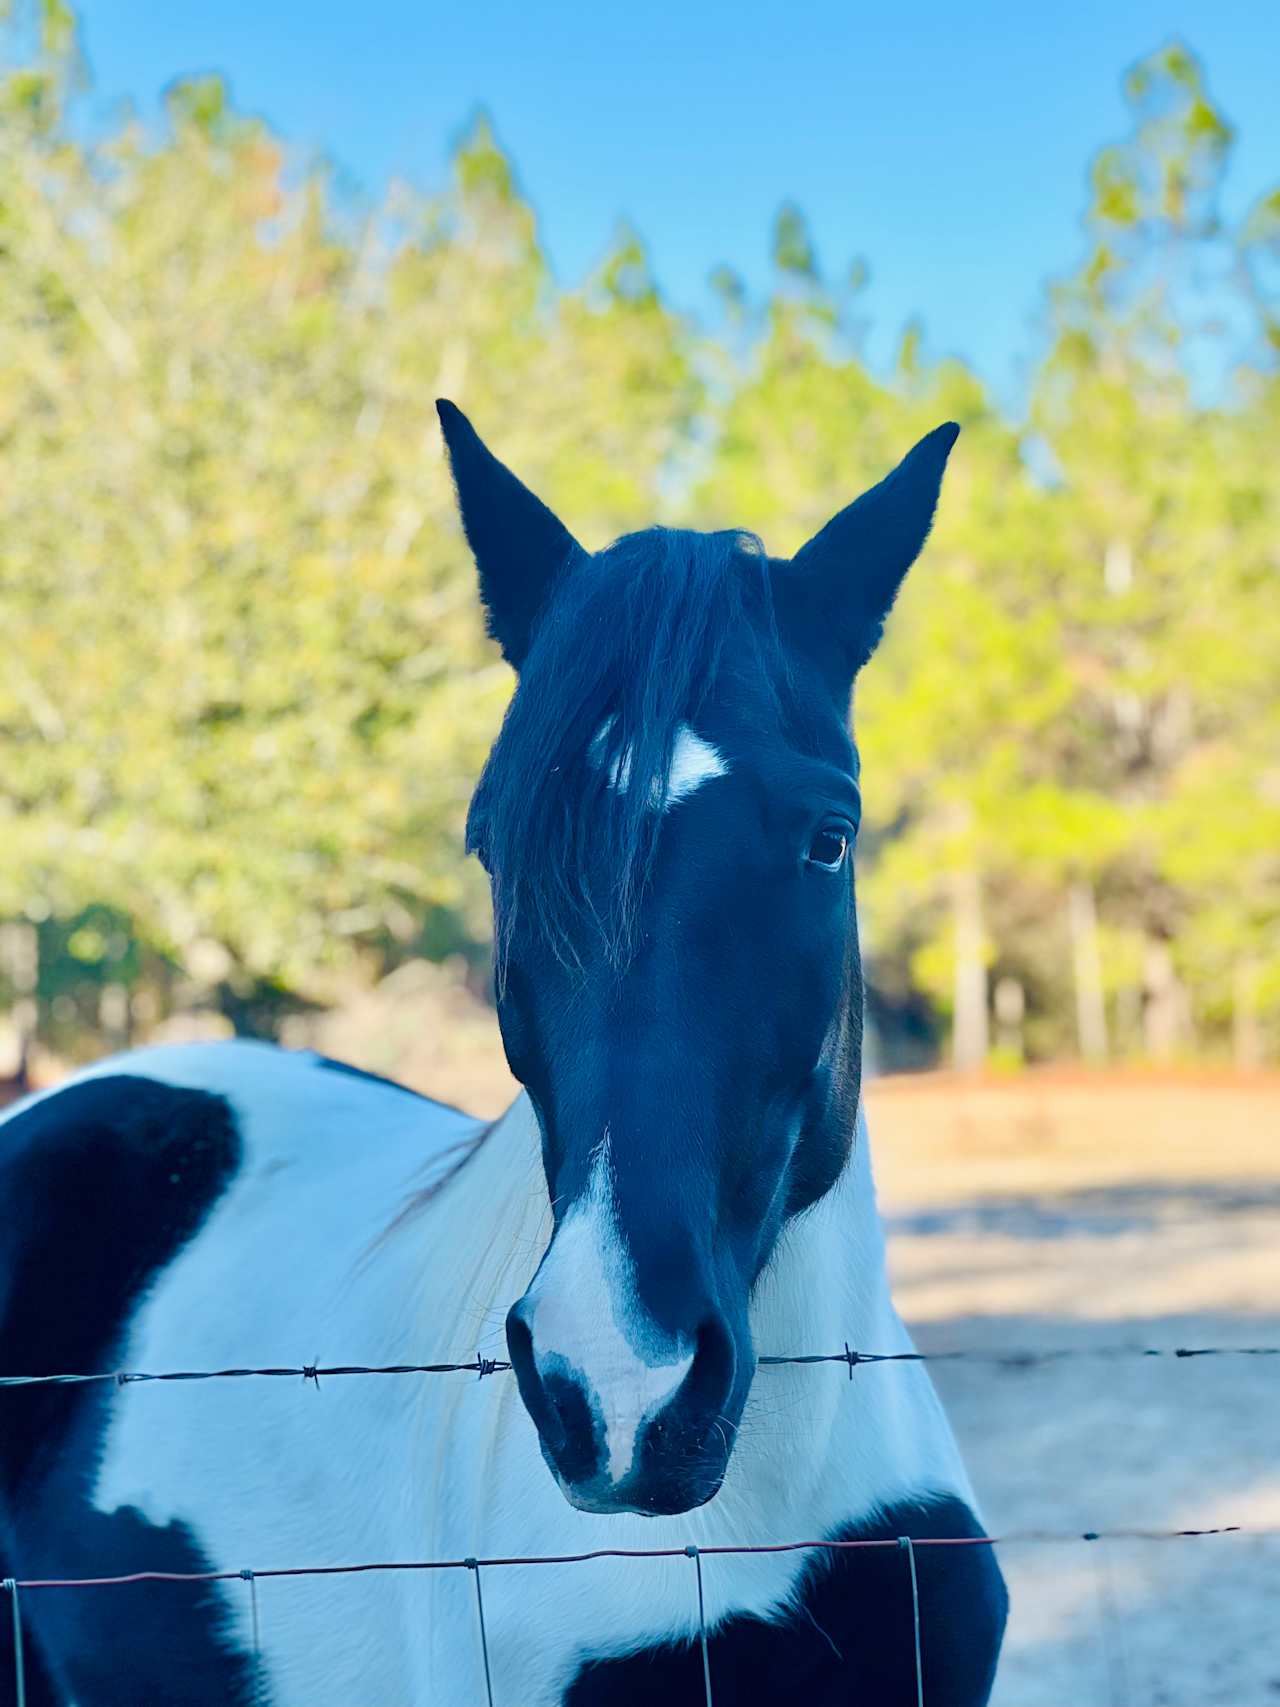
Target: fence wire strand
1011,1538
259,1681
19,1665
473,1565
1112,1635
1009,1358
696,1555
905,1542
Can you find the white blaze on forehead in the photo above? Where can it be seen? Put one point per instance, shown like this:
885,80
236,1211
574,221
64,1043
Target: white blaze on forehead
587,1319
693,762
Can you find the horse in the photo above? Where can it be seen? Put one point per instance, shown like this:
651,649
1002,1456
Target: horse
682,1188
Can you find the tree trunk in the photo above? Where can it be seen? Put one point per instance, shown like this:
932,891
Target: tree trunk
114,1018
20,954
1128,1019
1164,1015
1246,1033
1117,567
1010,1003
970,1040
1086,962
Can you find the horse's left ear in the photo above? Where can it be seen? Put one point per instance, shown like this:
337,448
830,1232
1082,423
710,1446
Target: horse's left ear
519,546
834,595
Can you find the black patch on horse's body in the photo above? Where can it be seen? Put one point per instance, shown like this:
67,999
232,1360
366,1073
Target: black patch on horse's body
851,1637
103,1185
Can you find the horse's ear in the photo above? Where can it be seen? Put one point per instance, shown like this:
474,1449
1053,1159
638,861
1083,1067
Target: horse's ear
835,593
520,548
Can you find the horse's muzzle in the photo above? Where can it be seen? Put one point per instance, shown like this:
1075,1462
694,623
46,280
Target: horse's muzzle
626,1445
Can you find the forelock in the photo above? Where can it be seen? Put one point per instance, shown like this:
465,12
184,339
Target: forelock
624,656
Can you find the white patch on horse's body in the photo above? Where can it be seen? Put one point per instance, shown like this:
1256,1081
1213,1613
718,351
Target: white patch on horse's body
693,762
585,1306
289,1269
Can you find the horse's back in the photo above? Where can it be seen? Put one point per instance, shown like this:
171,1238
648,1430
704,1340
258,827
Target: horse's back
111,1179
234,1172
267,1086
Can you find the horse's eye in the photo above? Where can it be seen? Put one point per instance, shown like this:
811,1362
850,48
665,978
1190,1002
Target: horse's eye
829,848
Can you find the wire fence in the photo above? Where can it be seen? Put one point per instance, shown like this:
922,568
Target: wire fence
1007,1358
481,1367
15,1588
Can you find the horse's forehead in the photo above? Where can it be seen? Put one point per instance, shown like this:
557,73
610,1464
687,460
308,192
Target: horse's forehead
694,762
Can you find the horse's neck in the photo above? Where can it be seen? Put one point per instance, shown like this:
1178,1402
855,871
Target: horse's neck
844,1442
827,1283
814,1448
827,1277
492,1223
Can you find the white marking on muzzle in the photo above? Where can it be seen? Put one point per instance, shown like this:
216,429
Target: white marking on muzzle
585,1311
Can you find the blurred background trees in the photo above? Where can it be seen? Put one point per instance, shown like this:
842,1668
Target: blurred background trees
245,689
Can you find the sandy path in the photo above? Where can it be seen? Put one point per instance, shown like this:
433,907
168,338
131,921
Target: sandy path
1059,1214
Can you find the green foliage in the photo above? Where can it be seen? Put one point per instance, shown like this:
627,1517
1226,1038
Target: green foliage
246,688
247,684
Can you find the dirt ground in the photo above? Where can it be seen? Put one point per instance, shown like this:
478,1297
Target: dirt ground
1056,1211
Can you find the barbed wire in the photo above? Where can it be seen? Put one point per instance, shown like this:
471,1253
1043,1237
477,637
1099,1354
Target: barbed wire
480,1366
1021,1357
1025,1357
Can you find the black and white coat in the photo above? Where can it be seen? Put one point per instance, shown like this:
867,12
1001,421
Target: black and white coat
232,1207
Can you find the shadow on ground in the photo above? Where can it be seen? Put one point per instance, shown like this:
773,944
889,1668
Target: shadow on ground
1138,1206
1096,1443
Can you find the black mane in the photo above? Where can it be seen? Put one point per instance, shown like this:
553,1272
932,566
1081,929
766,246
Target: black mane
625,652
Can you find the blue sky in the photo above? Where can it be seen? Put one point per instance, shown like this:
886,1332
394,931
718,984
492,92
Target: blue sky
946,143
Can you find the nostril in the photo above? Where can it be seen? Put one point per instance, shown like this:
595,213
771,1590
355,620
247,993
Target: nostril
538,1402
556,1403
710,1380
573,1444
519,1341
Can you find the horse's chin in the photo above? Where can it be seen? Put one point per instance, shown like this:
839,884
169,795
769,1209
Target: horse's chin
654,1499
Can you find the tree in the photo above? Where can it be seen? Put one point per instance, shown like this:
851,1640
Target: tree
246,689
1160,436
247,685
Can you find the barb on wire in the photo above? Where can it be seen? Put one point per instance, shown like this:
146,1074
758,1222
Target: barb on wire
1012,1538
1010,1358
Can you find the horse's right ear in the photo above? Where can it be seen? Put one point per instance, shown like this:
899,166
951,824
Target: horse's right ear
520,548
836,591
